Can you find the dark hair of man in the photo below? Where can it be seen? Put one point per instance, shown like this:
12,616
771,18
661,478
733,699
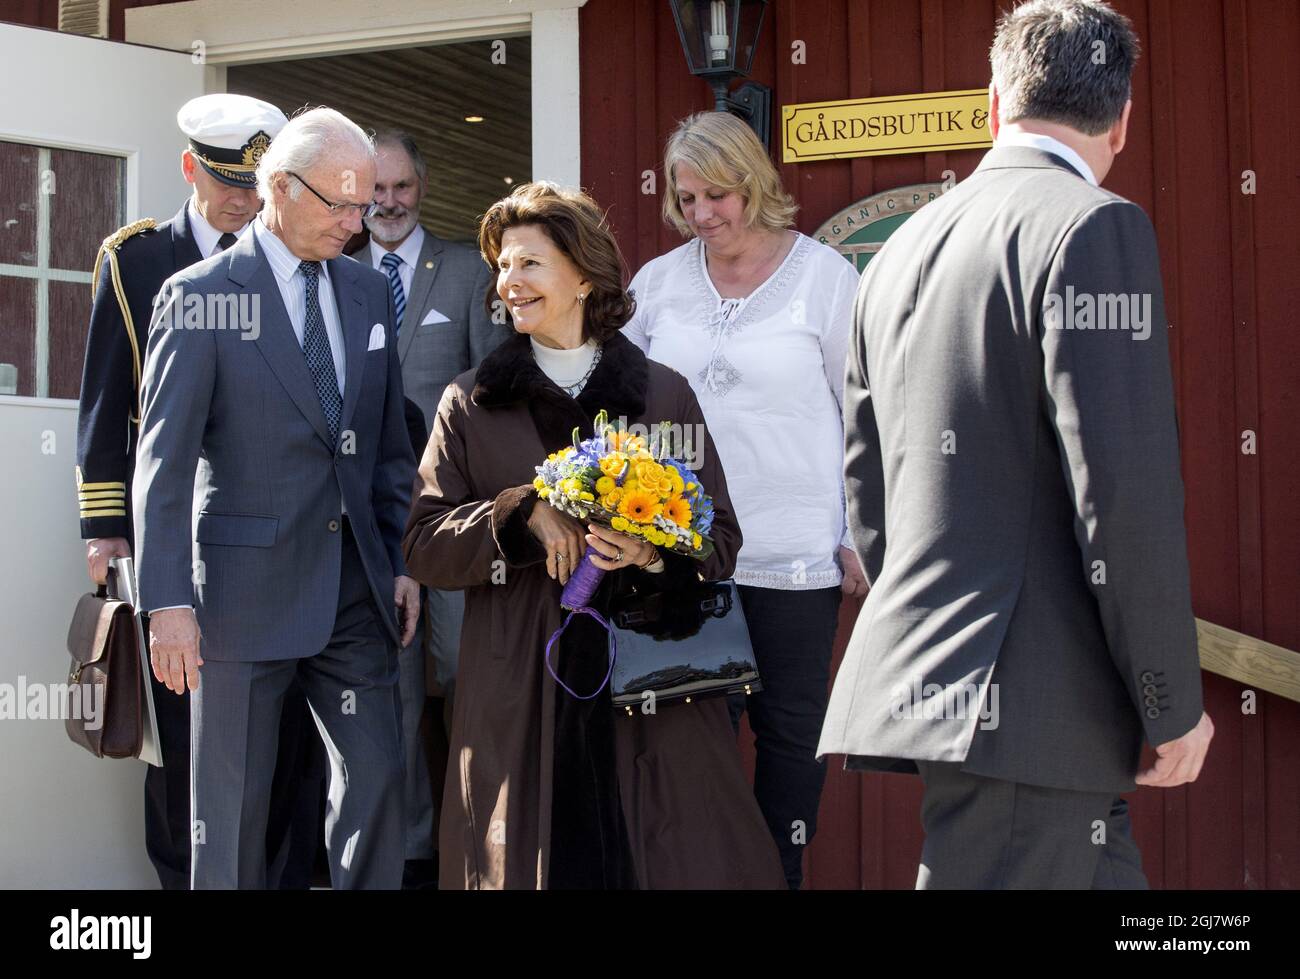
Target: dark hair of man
1064,61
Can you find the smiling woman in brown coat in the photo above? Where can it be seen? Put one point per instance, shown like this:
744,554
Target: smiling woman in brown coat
544,790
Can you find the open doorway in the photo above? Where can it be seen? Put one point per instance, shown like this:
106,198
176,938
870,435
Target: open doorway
467,104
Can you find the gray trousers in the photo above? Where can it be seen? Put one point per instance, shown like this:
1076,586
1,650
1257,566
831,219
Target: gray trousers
989,834
352,689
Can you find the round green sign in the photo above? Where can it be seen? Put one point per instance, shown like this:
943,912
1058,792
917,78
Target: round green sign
858,231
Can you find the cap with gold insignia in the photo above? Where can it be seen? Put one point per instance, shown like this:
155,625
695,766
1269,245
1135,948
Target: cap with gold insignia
229,133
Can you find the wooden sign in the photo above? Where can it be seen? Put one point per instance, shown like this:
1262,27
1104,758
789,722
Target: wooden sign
925,123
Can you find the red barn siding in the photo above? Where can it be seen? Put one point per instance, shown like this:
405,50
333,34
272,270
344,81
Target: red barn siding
1217,92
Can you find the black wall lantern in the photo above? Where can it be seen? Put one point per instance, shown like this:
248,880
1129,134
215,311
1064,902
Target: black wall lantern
719,38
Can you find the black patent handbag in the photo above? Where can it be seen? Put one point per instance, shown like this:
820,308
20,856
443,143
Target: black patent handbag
664,655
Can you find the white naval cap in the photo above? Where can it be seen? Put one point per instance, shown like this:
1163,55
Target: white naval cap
229,133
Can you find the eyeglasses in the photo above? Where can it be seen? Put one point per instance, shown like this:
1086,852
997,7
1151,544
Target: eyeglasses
362,210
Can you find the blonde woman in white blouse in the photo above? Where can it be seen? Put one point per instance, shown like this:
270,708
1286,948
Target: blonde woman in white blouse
756,316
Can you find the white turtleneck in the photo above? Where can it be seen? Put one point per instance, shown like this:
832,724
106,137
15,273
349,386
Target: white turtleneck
565,367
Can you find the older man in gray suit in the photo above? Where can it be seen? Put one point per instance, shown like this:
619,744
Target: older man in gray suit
1013,481
272,370
443,329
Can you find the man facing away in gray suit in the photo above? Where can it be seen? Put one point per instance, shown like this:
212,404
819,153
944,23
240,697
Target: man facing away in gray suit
1014,491
272,369
443,330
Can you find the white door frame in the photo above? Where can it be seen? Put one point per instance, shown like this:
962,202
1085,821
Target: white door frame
229,32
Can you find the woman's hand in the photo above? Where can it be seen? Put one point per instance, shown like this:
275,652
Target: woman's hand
561,535
855,582
620,551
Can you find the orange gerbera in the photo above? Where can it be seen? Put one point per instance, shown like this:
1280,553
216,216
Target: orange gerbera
678,511
639,506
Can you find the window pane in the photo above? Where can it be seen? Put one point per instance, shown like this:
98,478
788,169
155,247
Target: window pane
69,324
18,186
18,331
85,208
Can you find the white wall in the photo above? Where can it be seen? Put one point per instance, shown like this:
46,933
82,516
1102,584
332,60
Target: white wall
67,819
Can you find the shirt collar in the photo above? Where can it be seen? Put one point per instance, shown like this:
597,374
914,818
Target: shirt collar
408,251
1048,145
206,236
284,263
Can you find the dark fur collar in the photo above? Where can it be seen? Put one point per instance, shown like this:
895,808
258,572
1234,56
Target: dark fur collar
509,375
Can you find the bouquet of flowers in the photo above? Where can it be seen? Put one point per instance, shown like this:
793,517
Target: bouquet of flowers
628,483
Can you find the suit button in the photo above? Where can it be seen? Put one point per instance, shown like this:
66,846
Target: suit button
1151,702
1153,712
1149,689
1148,677
333,526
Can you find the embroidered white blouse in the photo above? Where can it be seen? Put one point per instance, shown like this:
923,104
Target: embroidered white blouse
769,374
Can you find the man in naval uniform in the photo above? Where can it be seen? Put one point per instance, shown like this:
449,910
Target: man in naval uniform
227,136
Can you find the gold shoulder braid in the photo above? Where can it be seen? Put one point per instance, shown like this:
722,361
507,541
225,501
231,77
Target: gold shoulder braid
109,250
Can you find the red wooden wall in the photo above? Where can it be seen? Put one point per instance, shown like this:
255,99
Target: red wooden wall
1217,92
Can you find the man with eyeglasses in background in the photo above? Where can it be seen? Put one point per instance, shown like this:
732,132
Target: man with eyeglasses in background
302,498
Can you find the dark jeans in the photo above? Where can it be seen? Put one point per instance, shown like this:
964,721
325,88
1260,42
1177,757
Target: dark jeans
792,633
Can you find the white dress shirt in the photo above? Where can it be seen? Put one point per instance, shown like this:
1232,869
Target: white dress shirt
408,251
206,236
293,290
1047,144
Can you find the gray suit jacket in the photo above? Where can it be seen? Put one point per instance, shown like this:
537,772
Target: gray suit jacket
452,279
1014,492
253,539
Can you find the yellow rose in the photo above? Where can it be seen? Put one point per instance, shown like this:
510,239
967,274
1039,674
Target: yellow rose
612,465
649,472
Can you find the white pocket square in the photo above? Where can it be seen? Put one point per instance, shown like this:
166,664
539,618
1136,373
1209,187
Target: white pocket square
376,337
433,316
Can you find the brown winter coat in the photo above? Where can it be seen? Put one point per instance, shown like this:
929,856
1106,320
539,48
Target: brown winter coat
691,818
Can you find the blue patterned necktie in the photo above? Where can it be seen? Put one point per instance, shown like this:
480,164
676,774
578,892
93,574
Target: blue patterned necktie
391,262
316,347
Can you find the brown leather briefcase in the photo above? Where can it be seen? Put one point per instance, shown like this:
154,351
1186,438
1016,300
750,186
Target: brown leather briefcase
105,709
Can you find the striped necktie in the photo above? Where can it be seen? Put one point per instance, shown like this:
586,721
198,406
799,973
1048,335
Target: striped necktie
391,262
316,348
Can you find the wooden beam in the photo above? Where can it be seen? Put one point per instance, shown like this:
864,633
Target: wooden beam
1248,660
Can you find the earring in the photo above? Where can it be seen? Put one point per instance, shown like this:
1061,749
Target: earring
581,299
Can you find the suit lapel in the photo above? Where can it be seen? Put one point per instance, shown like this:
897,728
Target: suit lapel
185,251
356,332
276,341
421,286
